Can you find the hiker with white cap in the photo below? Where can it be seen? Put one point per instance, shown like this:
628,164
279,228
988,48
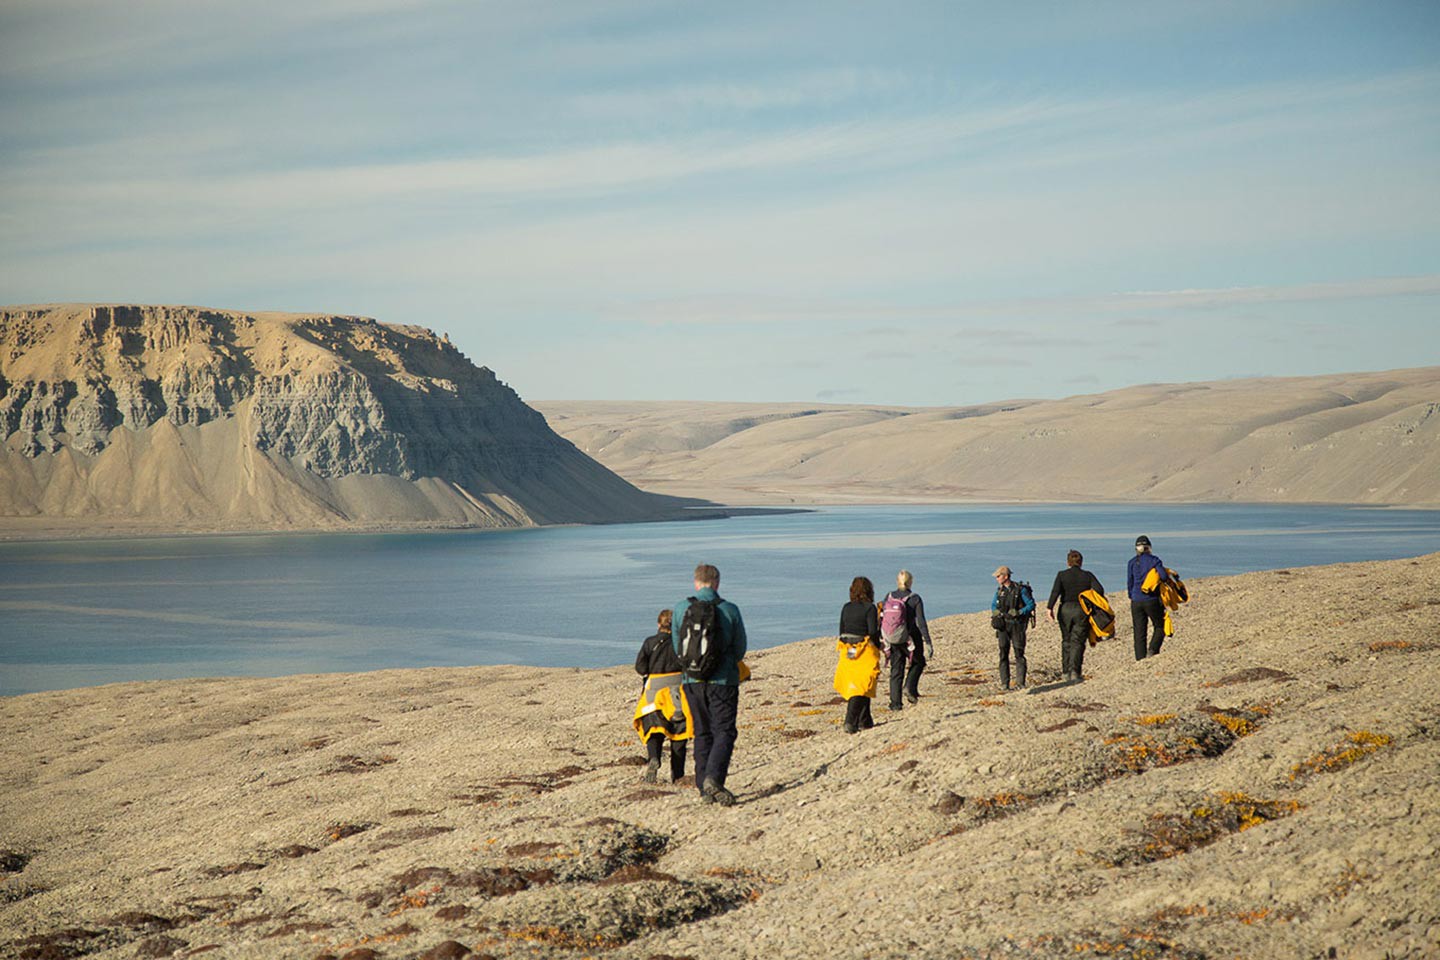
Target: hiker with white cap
1146,610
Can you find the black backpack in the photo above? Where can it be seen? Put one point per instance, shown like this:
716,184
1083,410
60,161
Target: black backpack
701,648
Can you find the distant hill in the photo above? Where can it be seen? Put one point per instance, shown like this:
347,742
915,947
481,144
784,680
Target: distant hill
153,418
1351,438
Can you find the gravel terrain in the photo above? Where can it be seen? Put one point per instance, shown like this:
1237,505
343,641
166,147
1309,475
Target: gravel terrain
1269,786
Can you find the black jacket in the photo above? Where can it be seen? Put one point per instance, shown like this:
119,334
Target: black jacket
657,656
1070,583
861,619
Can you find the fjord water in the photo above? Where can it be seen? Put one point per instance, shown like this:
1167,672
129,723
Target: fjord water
92,612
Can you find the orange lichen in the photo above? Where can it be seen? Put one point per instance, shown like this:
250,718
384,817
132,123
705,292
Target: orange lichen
1356,746
1153,720
414,901
1348,880
992,703
810,713
1381,645
1170,835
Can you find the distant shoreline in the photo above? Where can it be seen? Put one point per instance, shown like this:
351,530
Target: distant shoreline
49,530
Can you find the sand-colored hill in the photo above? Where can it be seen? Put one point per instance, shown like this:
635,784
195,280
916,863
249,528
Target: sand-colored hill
1352,438
1265,788
155,418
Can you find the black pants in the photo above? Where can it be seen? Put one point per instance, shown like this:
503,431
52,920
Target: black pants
656,745
1012,638
1149,613
714,708
857,713
903,680
1074,634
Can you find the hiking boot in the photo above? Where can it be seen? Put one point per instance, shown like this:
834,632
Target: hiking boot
850,727
912,698
714,793
652,770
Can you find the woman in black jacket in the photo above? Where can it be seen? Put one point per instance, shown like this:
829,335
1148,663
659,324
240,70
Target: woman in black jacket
663,713
859,649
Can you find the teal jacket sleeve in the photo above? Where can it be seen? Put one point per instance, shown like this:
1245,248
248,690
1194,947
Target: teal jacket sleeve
738,640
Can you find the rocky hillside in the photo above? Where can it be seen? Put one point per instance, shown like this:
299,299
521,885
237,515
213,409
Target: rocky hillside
1265,788
1353,438
191,418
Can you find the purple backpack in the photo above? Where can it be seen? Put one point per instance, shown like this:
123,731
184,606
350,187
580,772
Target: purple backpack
892,621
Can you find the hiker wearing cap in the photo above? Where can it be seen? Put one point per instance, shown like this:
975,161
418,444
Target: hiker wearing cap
1010,614
903,630
1074,623
1146,610
710,643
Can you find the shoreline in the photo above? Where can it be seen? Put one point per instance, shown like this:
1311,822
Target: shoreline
1117,598
74,533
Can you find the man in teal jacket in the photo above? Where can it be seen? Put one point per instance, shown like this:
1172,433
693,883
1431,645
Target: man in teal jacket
715,701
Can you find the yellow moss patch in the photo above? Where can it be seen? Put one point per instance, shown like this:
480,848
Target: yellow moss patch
1170,835
1380,645
992,703
556,937
1356,746
1000,803
810,713
1153,720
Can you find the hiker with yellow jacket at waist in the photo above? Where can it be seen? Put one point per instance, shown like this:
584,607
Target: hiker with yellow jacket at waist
1146,610
1070,583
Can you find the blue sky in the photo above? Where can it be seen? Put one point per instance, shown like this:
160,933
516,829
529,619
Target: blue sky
918,203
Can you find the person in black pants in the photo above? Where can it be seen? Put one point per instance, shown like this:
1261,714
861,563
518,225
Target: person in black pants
860,635
1146,610
1074,625
715,700
1010,612
660,667
903,628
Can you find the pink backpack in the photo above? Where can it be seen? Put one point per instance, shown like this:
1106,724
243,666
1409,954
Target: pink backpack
892,621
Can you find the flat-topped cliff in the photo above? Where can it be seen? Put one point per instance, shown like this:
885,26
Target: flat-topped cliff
170,416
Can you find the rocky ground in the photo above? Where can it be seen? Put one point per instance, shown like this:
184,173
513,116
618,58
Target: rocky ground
1267,787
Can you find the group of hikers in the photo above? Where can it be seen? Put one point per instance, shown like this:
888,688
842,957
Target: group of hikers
694,663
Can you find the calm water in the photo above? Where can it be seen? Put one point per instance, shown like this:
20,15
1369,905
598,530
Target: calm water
76,614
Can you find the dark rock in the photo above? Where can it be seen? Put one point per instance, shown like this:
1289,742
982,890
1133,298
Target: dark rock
635,873
295,851
137,919
159,947
456,911
13,861
230,869
445,950
949,803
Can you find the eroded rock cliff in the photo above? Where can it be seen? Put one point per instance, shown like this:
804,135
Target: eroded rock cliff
211,417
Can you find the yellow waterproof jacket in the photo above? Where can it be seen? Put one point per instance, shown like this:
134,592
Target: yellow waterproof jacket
857,669
1172,593
663,708
1102,618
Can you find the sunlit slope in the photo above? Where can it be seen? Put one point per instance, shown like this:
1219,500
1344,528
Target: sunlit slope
1355,438
191,418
